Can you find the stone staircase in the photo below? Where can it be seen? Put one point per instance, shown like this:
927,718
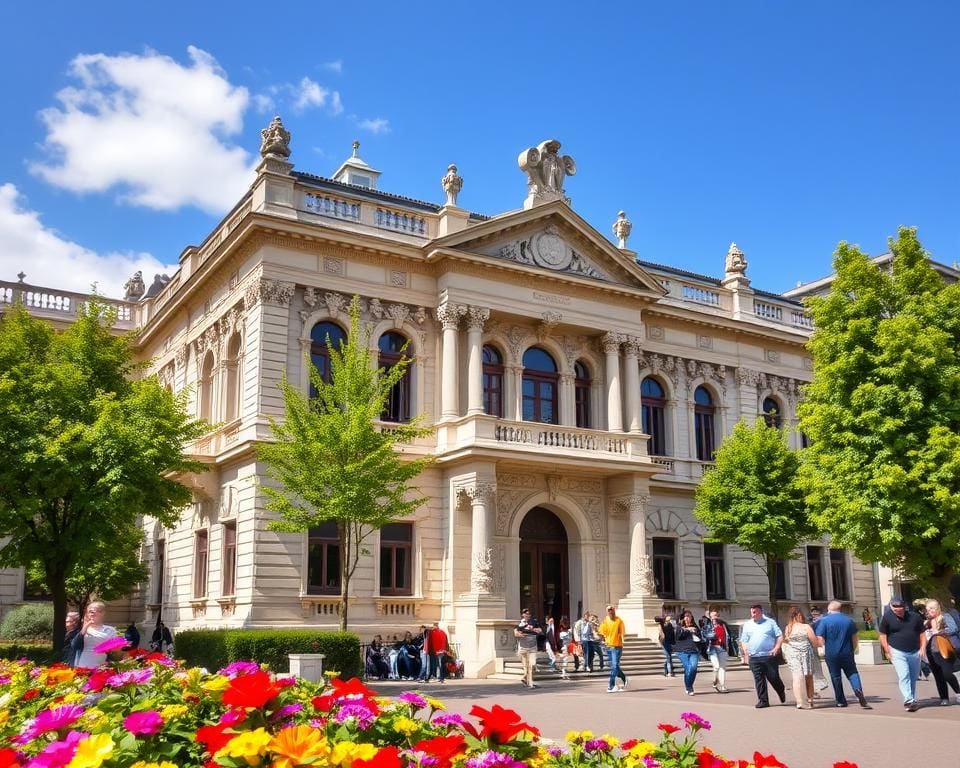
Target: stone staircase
641,656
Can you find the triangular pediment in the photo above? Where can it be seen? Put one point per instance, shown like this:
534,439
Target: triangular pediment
554,239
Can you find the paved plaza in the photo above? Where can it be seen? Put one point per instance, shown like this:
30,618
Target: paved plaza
883,737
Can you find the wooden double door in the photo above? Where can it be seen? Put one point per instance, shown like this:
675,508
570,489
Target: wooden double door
544,567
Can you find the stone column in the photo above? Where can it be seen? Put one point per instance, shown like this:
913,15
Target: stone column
512,405
631,380
476,317
483,499
449,316
641,567
611,348
568,408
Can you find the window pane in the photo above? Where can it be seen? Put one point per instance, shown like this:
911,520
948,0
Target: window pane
386,569
537,359
400,579
397,532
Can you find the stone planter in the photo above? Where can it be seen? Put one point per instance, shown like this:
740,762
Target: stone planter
869,653
307,666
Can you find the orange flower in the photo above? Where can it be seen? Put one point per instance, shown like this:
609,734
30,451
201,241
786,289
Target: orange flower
299,745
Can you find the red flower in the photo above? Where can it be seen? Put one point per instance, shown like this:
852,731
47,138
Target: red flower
767,761
706,759
213,737
322,703
8,758
30,694
845,764
502,724
353,687
444,748
98,680
667,728
250,691
387,757
629,744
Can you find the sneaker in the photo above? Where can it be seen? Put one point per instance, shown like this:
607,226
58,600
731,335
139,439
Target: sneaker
723,689
841,703
690,693
862,699
611,690
761,705
911,706
944,702
534,685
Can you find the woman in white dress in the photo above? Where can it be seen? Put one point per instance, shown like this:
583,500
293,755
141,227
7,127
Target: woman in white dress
91,634
799,644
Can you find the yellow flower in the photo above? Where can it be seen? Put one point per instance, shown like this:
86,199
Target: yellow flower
57,676
406,726
214,684
73,697
638,751
436,704
346,752
142,764
172,711
613,741
4,716
578,737
93,717
91,752
249,745
299,745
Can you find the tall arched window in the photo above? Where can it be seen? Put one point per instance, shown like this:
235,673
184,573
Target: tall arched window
581,394
539,386
704,413
492,381
391,352
771,413
324,337
653,403
206,387
233,378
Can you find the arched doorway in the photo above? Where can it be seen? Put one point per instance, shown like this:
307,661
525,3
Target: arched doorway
544,580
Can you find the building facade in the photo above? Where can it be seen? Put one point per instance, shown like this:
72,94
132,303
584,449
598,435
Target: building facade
576,396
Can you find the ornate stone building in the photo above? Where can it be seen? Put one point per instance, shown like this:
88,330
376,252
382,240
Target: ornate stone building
576,393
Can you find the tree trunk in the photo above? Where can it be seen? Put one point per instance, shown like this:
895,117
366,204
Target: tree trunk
772,587
938,587
343,529
57,584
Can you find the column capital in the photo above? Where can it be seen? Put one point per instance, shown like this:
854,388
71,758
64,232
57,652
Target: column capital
632,346
634,505
484,493
477,317
449,315
610,342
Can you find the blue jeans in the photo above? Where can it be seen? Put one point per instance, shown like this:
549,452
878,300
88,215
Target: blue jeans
613,658
667,659
907,666
689,660
845,664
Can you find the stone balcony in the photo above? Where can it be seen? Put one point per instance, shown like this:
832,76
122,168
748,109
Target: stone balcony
59,306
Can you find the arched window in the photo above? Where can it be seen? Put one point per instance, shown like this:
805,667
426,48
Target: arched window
653,403
581,394
703,419
391,352
233,378
771,413
492,381
539,386
324,337
206,387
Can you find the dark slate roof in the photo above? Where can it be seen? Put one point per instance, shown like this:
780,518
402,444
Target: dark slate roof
323,182
713,280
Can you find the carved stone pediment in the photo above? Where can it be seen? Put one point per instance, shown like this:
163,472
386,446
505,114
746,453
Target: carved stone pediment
547,248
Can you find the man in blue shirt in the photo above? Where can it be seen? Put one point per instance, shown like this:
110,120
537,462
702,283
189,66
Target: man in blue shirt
838,636
760,641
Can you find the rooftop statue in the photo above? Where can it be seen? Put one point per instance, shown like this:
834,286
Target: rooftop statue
736,262
275,139
452,184
546,170
134,288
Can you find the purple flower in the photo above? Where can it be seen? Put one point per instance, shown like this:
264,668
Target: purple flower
449,719
420,759
597,745
4,680
232,717
694,721
649,762
357,710
491,759
59,753
287,711
414,699
238,668
554,751
50,720
143,723
111,645
131,676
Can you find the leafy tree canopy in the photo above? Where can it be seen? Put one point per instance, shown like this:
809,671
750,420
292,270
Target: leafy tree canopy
332,461
86,446
882,474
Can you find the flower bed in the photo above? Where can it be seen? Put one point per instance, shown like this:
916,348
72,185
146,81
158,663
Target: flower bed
150,712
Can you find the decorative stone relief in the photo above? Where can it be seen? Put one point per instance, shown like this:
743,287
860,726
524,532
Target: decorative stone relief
376,309
268,291
516,340
482,492
546,170
398,278
655,332
550,321
477,318
518,481
553,486
578,485
333,265
507,502
400,313
421,315
499,569
310,297
748,377
547,249
601,569
641,574
573,347
592,508
632,345
610,342
481,574
336,303
449,315
705,342
180,357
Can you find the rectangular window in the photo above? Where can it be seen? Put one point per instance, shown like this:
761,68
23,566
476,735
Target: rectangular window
815,573
493,394
714,570
780,580
703,428
228,584
201,551
396,559
323,560
664,567
653,425
581,400
159,557
838,574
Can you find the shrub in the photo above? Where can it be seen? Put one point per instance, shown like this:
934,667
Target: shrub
38,653
30,621
869,634
214,649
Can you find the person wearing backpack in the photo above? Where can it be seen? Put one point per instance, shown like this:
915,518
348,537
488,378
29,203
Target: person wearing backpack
716,632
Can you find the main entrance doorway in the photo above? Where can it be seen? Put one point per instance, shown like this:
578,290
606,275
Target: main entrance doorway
544,585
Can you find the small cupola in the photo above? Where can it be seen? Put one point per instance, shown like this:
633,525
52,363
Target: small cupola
354,170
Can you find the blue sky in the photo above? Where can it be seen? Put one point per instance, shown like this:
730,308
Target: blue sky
129,129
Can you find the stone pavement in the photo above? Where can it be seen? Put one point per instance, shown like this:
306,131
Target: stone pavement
884,737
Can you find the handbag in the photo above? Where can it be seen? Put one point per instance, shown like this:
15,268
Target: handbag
944,646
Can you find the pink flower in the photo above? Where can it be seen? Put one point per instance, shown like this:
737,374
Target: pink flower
131,676
111,645
143,723
50,720
59,753
694,721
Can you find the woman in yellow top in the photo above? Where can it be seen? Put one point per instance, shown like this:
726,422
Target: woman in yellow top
613,631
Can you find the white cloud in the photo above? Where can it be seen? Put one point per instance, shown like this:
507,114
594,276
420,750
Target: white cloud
48,259
334,66
309,94
336,106
156,130
263,103
375,125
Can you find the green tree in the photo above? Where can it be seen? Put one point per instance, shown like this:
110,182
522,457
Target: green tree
882,474
333,463
86,447
109,571
752,497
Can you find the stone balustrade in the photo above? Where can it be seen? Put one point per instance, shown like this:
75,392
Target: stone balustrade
54,304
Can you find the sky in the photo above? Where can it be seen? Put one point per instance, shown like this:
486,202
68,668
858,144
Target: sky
129,129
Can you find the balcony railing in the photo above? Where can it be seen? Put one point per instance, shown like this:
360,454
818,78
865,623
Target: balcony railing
53,303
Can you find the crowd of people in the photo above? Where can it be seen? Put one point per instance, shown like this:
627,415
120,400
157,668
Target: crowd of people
422,657
82,638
